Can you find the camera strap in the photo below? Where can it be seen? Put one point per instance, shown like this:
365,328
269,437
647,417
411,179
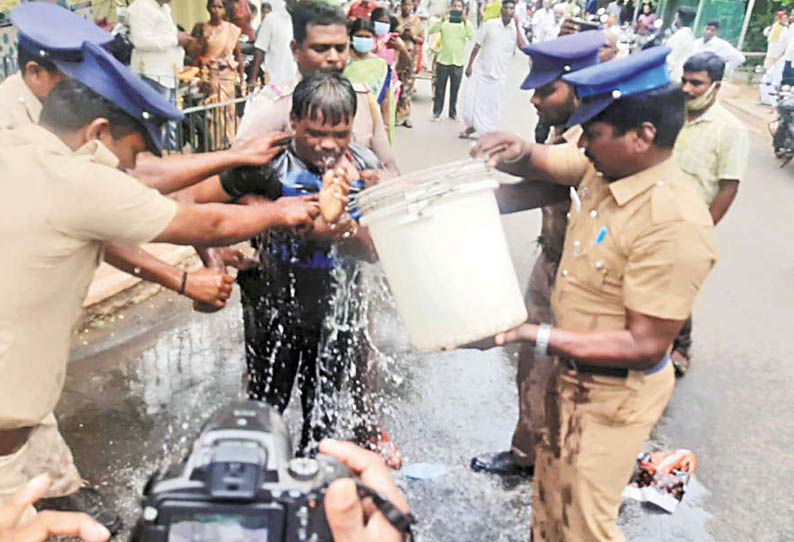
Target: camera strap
400,521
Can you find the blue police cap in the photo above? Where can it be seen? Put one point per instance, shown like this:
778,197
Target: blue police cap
599,86
553,58
53,33
109,78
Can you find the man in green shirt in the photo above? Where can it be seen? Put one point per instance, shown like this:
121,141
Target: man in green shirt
455,32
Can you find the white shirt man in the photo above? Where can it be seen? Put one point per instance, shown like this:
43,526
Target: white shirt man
544,24
682,43
274,38
487,71
714,44
157,54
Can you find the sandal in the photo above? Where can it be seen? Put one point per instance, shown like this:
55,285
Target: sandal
681,363
388,451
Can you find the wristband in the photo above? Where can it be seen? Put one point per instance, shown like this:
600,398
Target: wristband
184,283
542,341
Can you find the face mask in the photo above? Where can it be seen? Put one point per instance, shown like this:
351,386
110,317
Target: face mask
702,102
455,16
382,28
363,45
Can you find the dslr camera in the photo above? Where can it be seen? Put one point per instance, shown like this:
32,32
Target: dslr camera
240,483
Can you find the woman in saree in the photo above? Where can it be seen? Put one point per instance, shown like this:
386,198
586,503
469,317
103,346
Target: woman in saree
220,58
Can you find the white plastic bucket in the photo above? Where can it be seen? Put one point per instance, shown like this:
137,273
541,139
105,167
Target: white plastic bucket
442,247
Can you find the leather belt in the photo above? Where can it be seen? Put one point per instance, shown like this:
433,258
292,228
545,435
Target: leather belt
12,440
581,368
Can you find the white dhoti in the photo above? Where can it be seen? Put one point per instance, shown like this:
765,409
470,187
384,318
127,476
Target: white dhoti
482,106
770,83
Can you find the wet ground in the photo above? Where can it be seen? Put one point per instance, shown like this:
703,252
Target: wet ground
139,388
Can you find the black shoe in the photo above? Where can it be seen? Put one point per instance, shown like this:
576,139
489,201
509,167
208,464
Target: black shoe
501,463
89,501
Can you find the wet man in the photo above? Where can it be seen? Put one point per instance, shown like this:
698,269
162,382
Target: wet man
638,247
320,45
93,125
712,150
306,314
555,102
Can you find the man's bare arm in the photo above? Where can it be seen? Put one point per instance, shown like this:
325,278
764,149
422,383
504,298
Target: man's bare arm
515,156
203,285
215,224
640,346
724,199
172,173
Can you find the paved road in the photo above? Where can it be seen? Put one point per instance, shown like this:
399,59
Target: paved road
139,387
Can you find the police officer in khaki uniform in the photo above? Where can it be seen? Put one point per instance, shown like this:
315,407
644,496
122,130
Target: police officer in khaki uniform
93,124
555,103
321,43
639,245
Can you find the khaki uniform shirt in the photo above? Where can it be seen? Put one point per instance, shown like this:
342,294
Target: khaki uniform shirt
57,207
269,111
18,105
555,220
643,243
712,147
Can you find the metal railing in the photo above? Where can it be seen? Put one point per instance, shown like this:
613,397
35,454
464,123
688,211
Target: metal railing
206,127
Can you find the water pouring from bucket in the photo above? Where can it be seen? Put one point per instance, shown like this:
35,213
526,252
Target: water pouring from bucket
441,243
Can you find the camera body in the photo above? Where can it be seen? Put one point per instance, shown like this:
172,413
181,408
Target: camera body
240,483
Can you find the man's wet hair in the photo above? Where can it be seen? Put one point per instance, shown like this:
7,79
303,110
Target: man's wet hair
71,105
664,108
315,14
328,94
706,62
362,24
23,57
686,15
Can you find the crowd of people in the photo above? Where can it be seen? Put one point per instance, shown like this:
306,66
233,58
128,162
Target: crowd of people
627,235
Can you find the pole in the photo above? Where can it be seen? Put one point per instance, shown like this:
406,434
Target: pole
747,15
697,17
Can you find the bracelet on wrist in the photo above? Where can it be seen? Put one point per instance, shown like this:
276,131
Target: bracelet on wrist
184,283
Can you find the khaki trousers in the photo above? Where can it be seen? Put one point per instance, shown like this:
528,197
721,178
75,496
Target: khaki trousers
596,427
534,372
44,452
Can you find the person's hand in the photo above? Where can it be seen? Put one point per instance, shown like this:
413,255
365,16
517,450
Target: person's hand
499,147
569,26
208,287
371,177
260,151
396,43
336,188
525,333
297,212
468,70
46,524
233,257
186,41
350,519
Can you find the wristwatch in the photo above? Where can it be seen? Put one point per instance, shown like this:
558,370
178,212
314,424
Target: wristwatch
542,341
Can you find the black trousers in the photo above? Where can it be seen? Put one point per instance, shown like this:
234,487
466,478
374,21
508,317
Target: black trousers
286,341
453,74
683,342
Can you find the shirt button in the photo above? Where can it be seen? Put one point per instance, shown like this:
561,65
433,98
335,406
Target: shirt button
599,265
564,272
660,184
21,100
593,214
568,215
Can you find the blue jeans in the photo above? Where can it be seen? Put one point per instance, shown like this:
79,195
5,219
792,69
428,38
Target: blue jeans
169,129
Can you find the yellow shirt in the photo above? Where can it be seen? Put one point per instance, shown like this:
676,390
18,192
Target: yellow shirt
643,243
18,105
452,48
714,146
57,208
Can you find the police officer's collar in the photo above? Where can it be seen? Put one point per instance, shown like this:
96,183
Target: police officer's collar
626,189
